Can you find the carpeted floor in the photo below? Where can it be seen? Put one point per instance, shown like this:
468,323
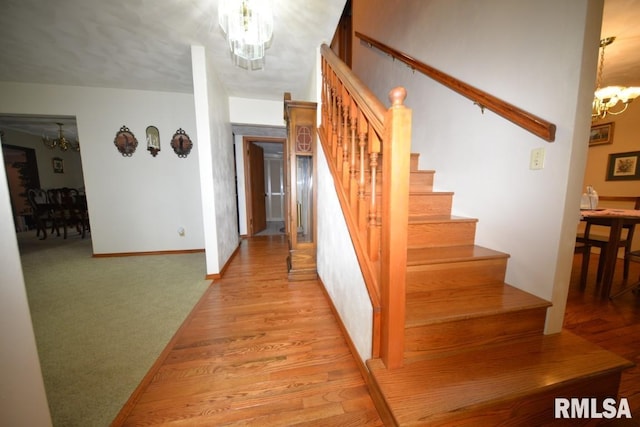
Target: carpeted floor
100,323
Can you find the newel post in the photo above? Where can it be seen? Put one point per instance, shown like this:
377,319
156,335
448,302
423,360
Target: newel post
396,154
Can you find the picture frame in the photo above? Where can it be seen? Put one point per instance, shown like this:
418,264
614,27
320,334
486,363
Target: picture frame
601,134
58,165
624,166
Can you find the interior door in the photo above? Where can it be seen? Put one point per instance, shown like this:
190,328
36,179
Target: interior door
274,189
258,220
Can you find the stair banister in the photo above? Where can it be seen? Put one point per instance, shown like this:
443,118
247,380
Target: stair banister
524,119
368,147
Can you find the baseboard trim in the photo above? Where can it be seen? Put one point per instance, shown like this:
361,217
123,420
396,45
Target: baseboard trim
374,391
364,371
126,254
216,276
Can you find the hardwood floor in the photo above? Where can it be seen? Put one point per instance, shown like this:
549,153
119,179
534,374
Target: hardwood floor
613,325
256,350
259,350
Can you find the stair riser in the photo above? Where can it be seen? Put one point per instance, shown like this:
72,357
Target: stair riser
421,181
430,204
427,340
535,409
441,234
455,274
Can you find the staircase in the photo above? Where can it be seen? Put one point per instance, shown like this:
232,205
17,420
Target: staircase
454,345
474,352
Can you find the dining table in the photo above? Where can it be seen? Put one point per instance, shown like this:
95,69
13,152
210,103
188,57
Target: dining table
616,220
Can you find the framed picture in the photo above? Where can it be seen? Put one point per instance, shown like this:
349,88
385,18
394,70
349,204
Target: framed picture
624,166
601,134
58,165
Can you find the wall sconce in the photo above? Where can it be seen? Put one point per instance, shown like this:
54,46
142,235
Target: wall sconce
181,143
125,142
153,140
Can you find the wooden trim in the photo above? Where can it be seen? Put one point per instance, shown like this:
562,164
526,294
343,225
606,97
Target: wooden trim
126,254
364,371
527,121
148,378
378,399
246,140
217,276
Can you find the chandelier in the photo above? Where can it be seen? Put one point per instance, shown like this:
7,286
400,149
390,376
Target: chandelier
606,98
248,26
61,142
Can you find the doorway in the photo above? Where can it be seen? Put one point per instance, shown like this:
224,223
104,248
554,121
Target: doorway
265,186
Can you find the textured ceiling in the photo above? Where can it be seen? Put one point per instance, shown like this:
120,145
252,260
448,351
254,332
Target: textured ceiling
145,44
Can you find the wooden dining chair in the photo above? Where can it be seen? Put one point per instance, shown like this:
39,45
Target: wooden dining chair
634,256
590,240
41,212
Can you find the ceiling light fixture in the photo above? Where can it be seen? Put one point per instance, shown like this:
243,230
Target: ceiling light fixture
61,142
248,26
605,98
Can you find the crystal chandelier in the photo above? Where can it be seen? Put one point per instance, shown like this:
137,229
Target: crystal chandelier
248,25
61,142
605,98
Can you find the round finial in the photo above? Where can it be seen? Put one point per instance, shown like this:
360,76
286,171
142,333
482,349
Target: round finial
397,96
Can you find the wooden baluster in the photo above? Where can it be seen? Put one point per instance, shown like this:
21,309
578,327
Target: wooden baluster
346,143
334,122
396,157
325,100
362,143
338,118
353,178
373,230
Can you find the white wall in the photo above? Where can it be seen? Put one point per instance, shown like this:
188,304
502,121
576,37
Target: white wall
216,163
23,401
538,55
338,266
136,204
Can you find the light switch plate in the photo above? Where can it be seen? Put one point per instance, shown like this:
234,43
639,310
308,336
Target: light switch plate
537,158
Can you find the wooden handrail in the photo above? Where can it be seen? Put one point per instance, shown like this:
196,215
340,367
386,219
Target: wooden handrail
527,121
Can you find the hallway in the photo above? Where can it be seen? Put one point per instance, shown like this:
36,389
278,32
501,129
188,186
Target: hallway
256,350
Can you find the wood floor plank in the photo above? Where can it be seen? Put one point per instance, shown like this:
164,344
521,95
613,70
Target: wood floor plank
257,350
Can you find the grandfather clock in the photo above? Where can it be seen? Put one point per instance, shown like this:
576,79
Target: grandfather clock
300,150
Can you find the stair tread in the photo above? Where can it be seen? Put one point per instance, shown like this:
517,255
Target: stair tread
458,303
416,219
430,193
489,375
447,254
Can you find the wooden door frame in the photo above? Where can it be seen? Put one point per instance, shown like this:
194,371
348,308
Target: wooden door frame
248,191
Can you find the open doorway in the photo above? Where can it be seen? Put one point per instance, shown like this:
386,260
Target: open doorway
34,158
265,186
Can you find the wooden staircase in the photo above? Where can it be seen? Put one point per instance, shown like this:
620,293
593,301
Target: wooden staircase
453,344
475,352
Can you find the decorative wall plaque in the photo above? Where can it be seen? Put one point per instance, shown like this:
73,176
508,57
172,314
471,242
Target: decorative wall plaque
125,142
181,143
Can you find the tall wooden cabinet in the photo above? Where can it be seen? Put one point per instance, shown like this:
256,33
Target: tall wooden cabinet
300,222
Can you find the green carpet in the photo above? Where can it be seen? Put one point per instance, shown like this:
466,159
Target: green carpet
100,323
